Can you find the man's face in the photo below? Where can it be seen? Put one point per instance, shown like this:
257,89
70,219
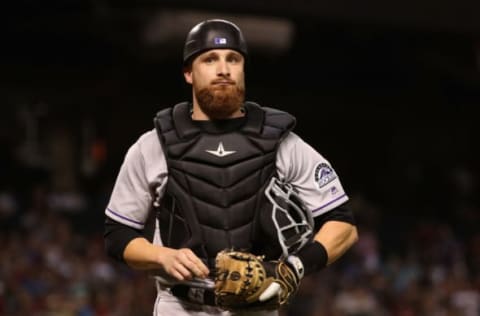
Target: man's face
218,81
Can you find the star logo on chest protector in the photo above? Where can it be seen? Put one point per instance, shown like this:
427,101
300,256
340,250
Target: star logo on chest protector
220,151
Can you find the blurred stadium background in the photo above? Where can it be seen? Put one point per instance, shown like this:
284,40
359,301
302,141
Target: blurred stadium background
385,90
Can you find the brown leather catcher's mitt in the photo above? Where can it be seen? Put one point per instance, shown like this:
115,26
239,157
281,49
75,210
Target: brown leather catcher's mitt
243,280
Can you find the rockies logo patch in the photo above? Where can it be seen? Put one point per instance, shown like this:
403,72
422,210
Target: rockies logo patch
324,174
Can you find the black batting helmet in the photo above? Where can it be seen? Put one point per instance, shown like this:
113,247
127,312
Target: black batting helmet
213,34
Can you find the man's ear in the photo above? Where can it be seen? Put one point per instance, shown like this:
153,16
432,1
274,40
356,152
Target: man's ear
187,74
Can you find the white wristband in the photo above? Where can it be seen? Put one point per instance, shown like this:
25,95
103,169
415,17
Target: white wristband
297,265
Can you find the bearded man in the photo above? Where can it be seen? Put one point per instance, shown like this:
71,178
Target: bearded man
214,171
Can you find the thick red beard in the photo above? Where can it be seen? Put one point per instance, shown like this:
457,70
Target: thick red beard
220,102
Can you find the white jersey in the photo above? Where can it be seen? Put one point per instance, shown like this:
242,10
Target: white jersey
143,177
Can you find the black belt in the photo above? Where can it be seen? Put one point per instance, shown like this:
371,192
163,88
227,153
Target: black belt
194,294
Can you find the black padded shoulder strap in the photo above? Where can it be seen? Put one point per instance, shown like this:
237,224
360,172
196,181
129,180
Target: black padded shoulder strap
268,121
176,118
279,119
183,121
163,120
256,117
163,124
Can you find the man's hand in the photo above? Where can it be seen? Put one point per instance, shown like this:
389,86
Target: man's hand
178,264
182,264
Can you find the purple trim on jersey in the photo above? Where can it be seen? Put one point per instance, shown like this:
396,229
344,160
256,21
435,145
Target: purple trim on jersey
125,218
332,201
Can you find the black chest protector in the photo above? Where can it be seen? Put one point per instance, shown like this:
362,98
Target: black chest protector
217,178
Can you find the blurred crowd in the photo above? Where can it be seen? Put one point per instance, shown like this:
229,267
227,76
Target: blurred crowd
53,263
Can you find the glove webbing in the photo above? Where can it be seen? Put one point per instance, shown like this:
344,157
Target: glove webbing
252,265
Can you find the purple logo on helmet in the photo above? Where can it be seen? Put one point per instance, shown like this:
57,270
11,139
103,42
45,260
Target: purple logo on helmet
220,41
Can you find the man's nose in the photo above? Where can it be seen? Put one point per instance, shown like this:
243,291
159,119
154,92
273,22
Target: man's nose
223,68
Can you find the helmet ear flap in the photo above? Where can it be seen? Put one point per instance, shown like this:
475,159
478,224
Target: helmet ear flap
293,222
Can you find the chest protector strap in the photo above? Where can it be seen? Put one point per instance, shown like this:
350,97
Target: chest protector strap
217,177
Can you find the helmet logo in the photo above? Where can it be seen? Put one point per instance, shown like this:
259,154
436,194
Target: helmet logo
220,41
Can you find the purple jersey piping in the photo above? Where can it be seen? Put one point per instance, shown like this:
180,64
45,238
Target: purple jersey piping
325,205
123,217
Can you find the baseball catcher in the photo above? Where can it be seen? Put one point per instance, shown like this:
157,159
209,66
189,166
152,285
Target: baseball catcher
217,200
